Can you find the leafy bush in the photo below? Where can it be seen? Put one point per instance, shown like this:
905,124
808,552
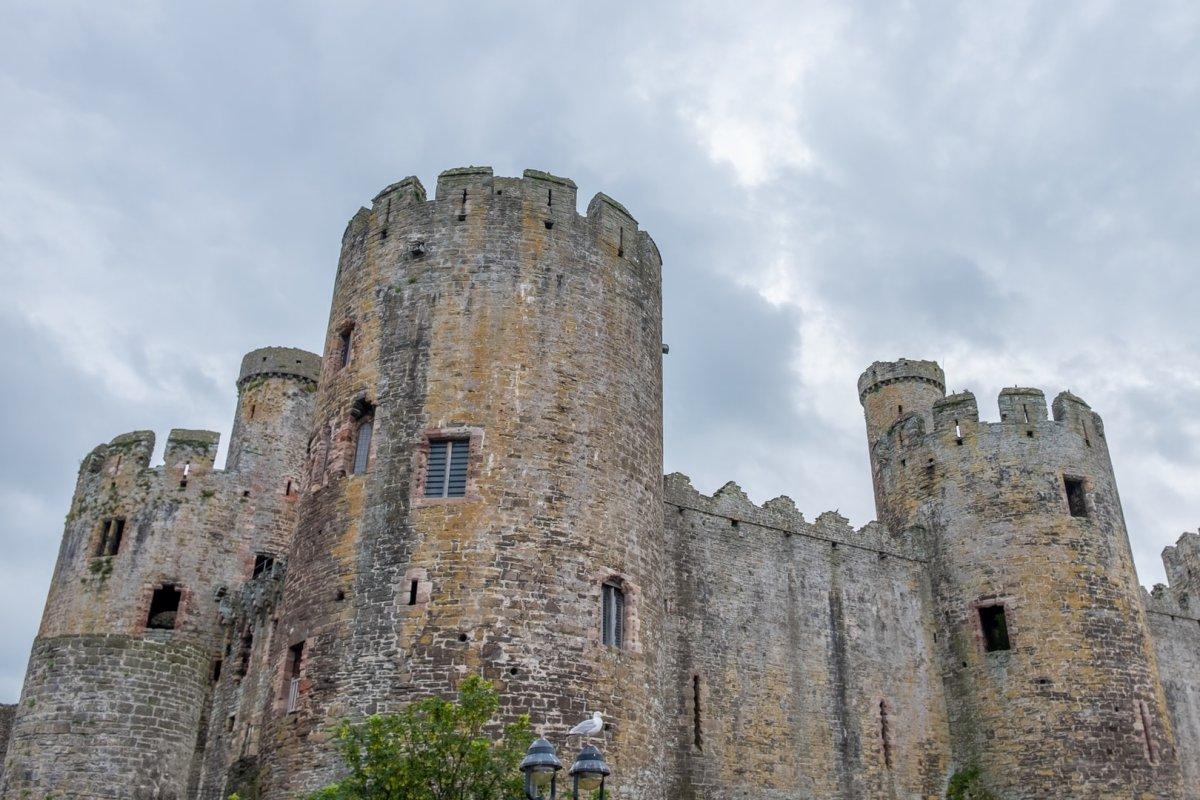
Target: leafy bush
434,749
966,785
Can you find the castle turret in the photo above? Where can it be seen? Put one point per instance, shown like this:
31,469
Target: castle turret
485,490
119,678
1052,684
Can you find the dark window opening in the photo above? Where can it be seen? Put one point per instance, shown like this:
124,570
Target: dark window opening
229,723
362,446
340,595
899,410
263,562
288,488
216,670
111,532
412,592
1076,496
251,414
244,654
995,628
446,471
621,242
462,209
345,341
697,729
612,631
885,733
164,608
187,469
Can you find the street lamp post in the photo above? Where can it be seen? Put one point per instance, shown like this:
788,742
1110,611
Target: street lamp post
541,767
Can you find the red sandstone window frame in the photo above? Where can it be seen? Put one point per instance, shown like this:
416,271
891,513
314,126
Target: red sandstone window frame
475,438
343,351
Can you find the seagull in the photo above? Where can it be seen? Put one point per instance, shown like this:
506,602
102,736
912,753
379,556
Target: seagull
588,726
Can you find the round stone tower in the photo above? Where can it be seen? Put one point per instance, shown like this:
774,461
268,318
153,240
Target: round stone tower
118,680
485,485
1050,675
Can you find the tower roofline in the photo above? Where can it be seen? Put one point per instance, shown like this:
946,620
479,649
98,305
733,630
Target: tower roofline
882,373
288,361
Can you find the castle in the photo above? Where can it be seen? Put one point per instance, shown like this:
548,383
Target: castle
470,482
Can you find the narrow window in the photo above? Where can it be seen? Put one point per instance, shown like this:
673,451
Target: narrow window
362,446
288,488
115,532
164,608
216,670
295,658
462,209
697,721
957,431
1147,732
885,733
613,610
995,628
229,723
263,563
345,341
1076,497
446,472
412,592
251,414
621,242
1025,409
187,470
899,410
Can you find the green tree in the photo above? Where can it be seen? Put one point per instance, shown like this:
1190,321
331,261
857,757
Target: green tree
434,749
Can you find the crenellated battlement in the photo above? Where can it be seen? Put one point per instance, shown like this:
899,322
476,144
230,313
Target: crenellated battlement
781,514
955,418
543,201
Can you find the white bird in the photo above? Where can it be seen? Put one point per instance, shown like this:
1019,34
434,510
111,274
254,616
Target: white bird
588,726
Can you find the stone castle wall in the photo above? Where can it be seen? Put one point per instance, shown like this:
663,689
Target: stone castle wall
7,712
802,654
497,314
1174,616
144,690
764,656
1074,704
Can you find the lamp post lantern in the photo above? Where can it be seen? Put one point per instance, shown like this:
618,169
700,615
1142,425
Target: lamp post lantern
541,767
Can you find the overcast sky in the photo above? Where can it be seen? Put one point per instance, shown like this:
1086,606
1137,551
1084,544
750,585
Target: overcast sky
1010,188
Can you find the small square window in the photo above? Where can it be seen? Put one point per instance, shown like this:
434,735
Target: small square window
164,608
1076,496
995,628
446,471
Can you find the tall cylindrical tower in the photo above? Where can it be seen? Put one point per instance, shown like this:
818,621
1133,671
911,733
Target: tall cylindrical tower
485,476
1051,680
118,681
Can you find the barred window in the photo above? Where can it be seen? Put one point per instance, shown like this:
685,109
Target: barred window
111,532
446,472
362,447
612,629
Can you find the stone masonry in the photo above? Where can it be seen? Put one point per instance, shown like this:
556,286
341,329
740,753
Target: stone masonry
469,482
